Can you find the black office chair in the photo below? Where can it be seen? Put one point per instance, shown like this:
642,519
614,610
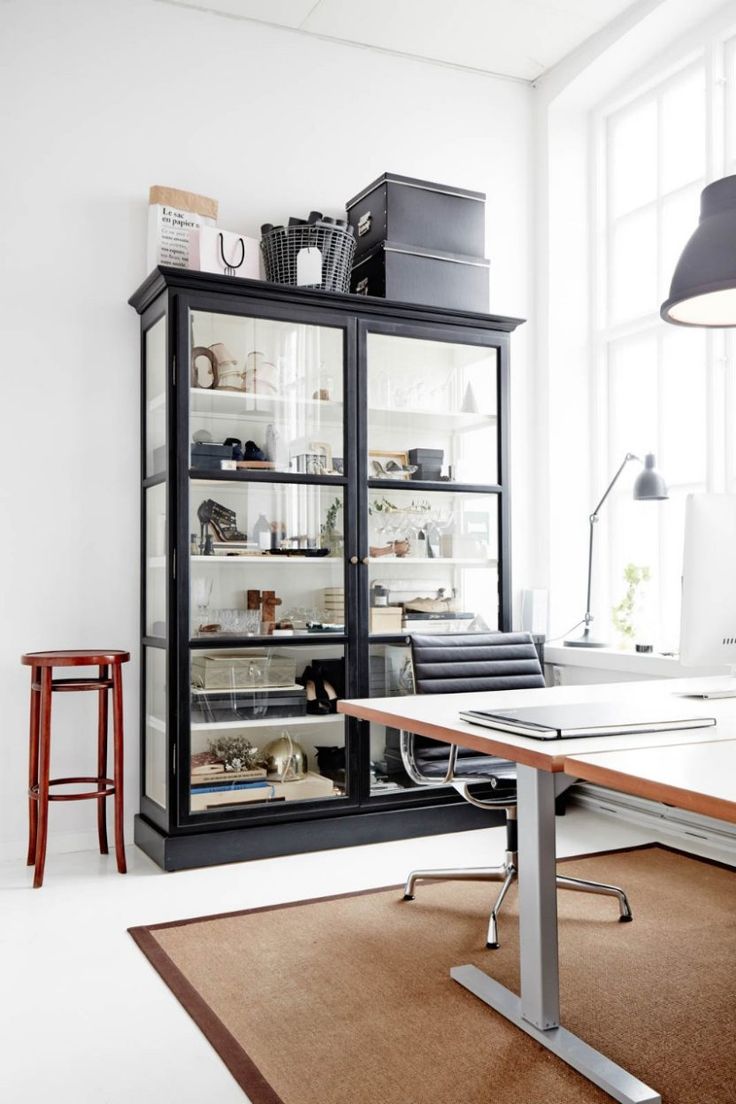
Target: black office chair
466,662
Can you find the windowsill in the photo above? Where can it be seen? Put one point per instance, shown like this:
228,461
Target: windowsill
615,659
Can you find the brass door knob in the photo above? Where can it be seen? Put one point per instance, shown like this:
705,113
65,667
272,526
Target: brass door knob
354,560
366,560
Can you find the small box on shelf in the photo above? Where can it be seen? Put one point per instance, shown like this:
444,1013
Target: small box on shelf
386,619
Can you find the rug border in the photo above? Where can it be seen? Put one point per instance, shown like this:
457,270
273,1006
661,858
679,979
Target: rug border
233,1055
235,1058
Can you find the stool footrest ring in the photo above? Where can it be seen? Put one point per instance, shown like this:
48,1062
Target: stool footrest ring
108,783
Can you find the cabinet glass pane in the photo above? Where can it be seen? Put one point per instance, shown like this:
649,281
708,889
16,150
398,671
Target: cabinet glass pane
433,561
432,410
266,557
264,726
156,398
156,574
155,727
390,676
274,387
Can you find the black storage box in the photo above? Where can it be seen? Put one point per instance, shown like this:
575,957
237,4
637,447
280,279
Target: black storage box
431,458
409,274
433,216
207,457
247,705
428,473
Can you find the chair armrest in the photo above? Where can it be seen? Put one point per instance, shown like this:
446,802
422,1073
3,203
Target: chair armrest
406,746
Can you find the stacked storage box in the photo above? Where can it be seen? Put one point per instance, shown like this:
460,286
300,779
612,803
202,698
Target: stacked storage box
420,242
333,602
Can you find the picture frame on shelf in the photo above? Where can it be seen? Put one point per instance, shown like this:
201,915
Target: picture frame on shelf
387,464
312,457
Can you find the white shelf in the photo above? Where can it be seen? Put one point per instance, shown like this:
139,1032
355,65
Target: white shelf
427,419
245,404
263,561
270,722
431,560
251,407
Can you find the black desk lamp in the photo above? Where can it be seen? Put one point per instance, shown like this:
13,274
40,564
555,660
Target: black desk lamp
648,487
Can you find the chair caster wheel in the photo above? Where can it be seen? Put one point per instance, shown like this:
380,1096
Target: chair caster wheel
408,897
492,946
625,919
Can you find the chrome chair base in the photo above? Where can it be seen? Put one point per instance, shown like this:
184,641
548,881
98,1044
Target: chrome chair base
507,873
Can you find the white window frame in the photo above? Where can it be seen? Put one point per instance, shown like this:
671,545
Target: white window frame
718,58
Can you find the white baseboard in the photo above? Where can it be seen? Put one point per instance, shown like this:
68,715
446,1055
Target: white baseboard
701,835
62,843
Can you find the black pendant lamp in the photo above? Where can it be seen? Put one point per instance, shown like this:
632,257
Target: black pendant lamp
703,290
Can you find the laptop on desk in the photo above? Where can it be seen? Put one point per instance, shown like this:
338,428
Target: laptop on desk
585,719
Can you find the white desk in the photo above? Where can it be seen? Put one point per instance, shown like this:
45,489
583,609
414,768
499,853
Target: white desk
698,777
537,1011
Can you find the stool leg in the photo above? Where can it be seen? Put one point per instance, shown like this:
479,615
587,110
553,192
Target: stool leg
102,764
33,767
43,777
117,729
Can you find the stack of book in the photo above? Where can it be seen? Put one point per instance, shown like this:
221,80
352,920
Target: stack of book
208,793
420,622
241,548
333,602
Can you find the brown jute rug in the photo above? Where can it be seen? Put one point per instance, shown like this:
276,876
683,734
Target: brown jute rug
347,1000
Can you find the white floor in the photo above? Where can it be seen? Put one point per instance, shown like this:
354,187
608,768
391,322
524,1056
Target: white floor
86,1020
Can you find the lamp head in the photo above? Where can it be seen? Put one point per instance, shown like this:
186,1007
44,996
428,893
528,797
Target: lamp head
649,485
703,290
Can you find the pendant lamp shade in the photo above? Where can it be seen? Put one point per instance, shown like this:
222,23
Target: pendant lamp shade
703,290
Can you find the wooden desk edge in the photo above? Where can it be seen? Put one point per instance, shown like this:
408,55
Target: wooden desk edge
485,744
586,768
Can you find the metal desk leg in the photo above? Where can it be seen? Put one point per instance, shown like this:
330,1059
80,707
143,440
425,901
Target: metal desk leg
537,1011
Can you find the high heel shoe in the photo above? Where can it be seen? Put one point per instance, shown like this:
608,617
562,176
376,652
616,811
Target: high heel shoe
222,520
316,702
329,675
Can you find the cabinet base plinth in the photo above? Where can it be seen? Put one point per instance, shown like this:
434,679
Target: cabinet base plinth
215,847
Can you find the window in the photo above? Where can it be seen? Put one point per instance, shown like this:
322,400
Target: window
659,388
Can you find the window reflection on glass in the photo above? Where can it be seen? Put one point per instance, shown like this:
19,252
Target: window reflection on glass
272,390
432,411
155,726
156,398
156,574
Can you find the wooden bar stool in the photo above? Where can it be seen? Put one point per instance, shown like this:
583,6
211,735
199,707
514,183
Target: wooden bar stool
43,685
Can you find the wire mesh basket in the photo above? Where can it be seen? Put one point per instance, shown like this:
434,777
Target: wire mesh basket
281,247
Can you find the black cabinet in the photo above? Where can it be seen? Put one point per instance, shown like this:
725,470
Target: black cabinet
362,495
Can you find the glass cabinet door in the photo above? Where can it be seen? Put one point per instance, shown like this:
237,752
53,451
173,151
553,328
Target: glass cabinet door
267,535
433,511
432,410
265,732
156,537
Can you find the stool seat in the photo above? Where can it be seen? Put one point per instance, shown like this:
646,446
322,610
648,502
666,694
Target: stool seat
74,657
107,680
72,684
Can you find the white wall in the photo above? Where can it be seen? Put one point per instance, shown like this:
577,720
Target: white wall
108,97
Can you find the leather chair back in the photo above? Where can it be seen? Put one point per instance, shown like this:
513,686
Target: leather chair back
454,663
450,663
